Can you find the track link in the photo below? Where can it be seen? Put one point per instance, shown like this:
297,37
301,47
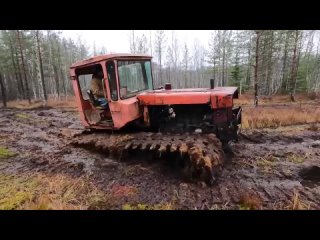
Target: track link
198,156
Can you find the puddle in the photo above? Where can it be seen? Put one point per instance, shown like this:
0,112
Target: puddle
77,157
310,176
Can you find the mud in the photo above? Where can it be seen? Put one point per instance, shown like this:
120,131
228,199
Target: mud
268,166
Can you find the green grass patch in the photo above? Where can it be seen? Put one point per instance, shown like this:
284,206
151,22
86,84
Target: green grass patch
45,192
295,158
6,153
15,191
267,161
22,115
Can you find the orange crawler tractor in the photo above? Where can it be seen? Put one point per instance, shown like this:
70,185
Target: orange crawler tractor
187,127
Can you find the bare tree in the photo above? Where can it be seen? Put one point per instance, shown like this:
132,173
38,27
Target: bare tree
94,48
175,57
172,58
294,66
41,67
160,41
3,91
132,41
309,51
212,53
169,63
23,65
256,66
142,44
284,64
185,63
150,36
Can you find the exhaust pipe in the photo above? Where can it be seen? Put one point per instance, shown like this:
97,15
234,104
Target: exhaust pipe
167,86
212,83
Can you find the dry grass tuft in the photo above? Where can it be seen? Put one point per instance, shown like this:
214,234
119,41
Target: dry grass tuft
247,99
250,202
161,206
296,158
273,117
297,203
63,102
42,192
313,127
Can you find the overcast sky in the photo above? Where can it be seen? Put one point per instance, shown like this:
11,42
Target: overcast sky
118,40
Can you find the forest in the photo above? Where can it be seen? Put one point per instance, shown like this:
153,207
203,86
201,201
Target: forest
34,64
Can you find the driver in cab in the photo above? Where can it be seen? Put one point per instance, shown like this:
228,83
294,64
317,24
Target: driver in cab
97,88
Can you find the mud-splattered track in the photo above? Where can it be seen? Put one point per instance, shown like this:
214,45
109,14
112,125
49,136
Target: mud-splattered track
266,167
199,157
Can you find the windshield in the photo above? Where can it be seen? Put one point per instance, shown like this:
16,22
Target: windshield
134,77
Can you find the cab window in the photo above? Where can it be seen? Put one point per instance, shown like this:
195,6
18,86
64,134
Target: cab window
111,72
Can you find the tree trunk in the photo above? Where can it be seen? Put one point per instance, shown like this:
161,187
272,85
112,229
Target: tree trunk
150,44
308,52
294,67
66,81
41,67
256,69
214,69
223,65
61,71
3,91
19,75
15,70
56,78
160,70
284,68
24,68
248,77
269,66
297,65
134,42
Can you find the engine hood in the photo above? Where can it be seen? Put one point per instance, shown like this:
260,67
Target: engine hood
217,97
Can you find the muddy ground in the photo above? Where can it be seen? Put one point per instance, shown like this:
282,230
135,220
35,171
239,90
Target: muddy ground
270,169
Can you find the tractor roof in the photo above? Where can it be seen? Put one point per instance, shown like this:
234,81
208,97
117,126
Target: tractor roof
108,56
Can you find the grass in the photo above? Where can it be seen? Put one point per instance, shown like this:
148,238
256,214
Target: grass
27,118
297,203
42,192
161,206
53,102
313,127
22,115
278,110
273,112
273,117
247,99
6,153
123,191
287,172
296,158
220,206
249,202
267,163
15,191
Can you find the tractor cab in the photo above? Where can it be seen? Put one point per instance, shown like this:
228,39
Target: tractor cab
110,102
